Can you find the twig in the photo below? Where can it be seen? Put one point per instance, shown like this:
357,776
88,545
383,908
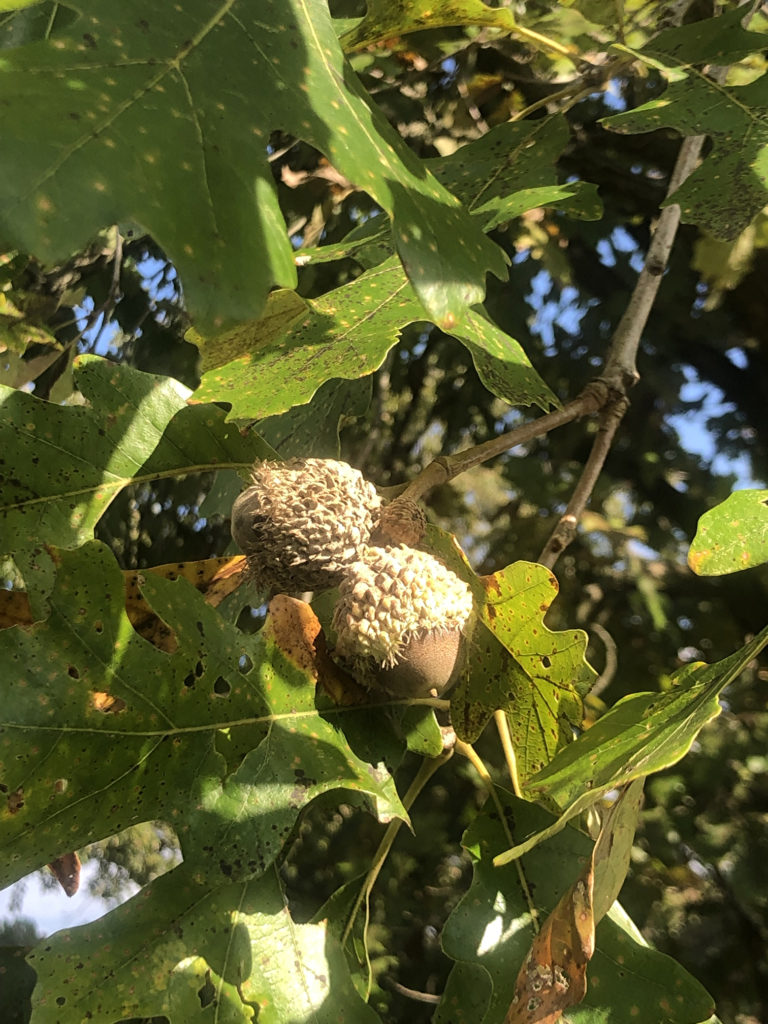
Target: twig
620,372
447,467
411,993
605,678
107,306
562,535
573,91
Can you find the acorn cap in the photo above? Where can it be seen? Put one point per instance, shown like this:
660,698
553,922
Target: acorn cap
302,521
402,521
395,601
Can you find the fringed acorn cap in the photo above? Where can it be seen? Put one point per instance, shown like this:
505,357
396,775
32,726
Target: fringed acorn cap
402,521
302,521
394,602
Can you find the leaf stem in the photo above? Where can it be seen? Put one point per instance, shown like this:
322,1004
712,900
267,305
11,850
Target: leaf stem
545,43
427,769
468,751
502,727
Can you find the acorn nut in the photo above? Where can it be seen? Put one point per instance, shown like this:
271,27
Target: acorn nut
301,522
400,620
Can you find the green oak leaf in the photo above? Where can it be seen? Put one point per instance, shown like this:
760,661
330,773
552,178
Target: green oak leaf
148,114
101,730
515,662
721,40
545,705
643,733
732,536
191,952
346,334
490,932
265,367
314,429
732,116
63,465
515,166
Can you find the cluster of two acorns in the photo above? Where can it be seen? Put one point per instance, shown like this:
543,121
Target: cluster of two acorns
401,615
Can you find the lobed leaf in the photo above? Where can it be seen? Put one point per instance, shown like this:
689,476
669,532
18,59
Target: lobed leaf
503,174
189,952
150,117
537,675
346,334
732,116
101,730
62,466
732,536
385,20
512,169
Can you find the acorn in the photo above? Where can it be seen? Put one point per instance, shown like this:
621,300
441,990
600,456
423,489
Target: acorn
400,620
302,522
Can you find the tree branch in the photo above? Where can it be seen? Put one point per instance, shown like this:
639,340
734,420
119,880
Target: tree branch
620,372
608,392
565,531
447,467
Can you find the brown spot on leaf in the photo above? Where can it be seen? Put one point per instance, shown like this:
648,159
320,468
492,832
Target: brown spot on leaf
16,800
107,703
14,609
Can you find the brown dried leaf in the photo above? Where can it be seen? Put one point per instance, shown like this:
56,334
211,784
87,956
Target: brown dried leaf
297,631
215,578
67,871
554,975
295,628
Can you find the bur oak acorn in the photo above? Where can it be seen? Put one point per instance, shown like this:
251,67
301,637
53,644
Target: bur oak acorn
301,522
400,620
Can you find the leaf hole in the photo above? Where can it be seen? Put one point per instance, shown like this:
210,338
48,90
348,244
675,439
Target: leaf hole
245,664
199,669
190,681
546,662
221,687
72,671
207,993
